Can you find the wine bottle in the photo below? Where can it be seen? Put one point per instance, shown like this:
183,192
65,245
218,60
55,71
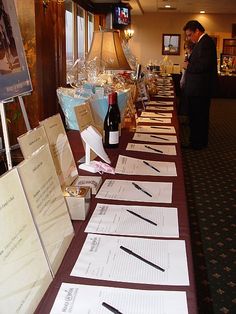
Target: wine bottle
111,122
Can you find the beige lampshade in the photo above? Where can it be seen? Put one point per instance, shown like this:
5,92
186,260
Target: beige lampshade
106,46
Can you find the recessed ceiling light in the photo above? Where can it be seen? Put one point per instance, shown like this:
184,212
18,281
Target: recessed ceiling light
167,6
202,11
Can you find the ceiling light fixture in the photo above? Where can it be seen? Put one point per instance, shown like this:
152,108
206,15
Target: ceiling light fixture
202,12
167,6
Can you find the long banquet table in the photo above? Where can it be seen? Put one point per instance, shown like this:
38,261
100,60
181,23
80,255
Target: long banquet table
178,200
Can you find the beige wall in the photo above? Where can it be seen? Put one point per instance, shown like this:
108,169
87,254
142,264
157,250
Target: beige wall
146,43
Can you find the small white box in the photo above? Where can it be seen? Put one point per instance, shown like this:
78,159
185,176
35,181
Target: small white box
78,201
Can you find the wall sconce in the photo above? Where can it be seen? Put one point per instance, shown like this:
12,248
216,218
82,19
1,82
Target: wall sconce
128,34
46,2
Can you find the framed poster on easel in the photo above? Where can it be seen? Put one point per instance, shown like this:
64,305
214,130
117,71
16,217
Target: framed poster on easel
14,74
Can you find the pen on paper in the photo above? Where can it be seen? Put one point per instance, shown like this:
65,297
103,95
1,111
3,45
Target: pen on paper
161,107
159,127
151,166
161,114
154,149
141,189
111,308
161,138
141,217
155,119
141,258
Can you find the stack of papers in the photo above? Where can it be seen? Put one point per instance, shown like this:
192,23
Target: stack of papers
136,191
147,221
160,108
156,114
155,149
153,120
155,129
74,299
136,260
164,95
155,138
134,166
160,103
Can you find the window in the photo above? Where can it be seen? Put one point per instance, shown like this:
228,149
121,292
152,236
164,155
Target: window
79,32
90,29
69,35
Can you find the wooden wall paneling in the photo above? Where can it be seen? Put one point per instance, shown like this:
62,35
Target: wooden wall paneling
233,30
43,33
46,19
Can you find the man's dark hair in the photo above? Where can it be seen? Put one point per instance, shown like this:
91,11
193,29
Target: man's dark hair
193,25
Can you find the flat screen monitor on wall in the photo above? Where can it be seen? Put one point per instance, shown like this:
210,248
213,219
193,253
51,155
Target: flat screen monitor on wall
121,16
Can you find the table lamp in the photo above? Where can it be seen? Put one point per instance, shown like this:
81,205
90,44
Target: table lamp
106,47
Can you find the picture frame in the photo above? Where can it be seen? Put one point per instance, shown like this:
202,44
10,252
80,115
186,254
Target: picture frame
227,63
14,73
171,44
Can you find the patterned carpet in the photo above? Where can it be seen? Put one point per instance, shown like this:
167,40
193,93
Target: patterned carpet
210,184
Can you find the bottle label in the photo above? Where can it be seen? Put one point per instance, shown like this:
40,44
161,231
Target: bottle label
113,137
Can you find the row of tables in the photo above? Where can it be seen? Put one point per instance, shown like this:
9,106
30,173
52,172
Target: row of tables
178,201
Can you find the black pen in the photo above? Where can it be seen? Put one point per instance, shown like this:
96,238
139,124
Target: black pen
141,258
141,189
141,217
161,114
155,119
161,138
111,308
161,107
151,166
160,127
154,149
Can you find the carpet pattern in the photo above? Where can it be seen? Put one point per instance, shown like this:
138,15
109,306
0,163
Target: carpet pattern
210,177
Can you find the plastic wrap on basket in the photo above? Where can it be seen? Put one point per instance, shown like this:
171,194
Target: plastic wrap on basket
68,99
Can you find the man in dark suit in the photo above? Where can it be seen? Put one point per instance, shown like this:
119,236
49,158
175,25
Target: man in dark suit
200,80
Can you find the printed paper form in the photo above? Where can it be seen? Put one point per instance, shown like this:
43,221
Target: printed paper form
155,149
102,258
153,120
155,138
135,166
165,87
156,115
155,129
137,191
157,102
160,108
134,220
166,95
74,299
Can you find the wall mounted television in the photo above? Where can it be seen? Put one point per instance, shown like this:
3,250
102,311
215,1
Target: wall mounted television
121,16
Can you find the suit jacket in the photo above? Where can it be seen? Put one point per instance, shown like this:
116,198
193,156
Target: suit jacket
201,73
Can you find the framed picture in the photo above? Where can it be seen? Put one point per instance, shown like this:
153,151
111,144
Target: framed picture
171,44
14,74
227,63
